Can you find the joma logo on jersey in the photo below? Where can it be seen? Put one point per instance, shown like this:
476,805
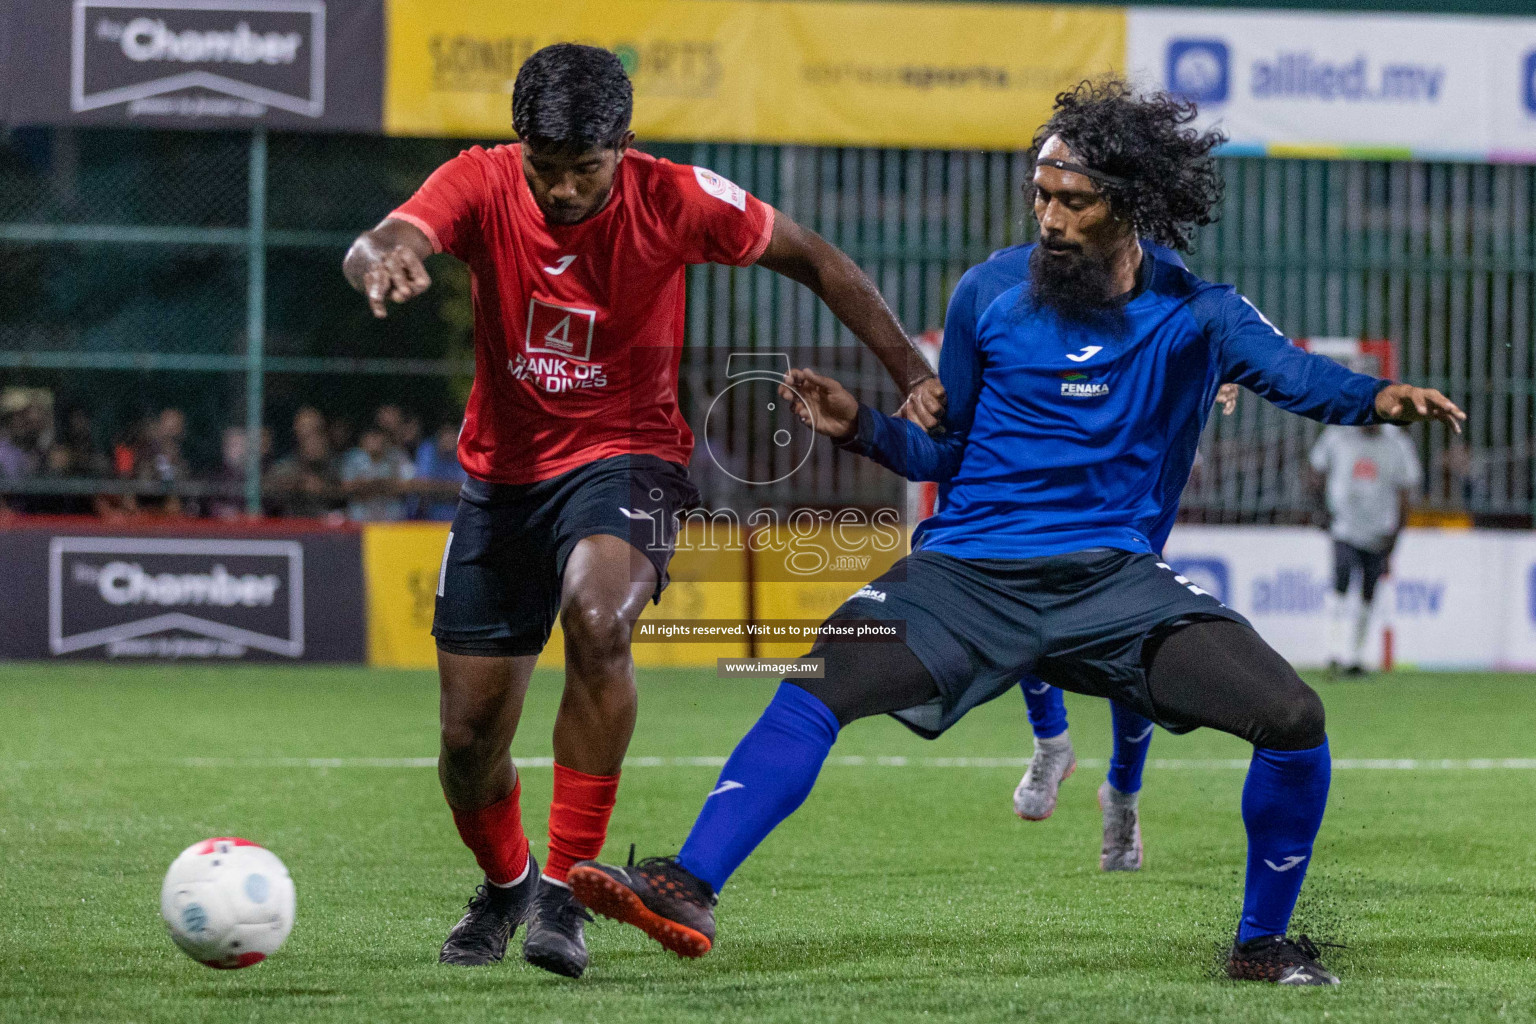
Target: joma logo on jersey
1075,384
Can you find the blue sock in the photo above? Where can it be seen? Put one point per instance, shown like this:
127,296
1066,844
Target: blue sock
1283,801
768,775
1133,738
1047,711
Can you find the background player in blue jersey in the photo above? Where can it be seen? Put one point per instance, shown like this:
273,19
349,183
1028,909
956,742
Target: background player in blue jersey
1079,373
1034,798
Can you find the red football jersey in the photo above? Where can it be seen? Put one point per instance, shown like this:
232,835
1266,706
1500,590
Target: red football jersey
579,329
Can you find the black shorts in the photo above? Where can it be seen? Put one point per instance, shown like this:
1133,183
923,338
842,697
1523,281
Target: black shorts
1347,559
1077,621
498,590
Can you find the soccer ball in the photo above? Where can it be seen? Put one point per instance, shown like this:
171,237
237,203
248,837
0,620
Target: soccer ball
227,902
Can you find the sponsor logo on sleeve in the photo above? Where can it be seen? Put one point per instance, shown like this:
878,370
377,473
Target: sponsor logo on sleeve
723,189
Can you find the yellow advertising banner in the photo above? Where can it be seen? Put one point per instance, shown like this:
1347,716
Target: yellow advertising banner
934,75
400,567
400,564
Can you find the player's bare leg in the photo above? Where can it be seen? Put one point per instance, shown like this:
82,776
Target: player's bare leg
480,702
607,583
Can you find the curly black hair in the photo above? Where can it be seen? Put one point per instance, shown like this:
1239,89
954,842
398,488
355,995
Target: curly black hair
1171,183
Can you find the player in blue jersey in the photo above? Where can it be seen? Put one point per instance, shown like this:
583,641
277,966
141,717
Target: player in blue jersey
1079,373
1034,798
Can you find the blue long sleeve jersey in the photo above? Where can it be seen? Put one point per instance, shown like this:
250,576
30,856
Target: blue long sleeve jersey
1061,437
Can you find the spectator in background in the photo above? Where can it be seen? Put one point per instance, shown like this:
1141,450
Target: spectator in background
391,420
339,433
308,422
408,438
161,459
305,485
18,458
229,503
74,456
371,475
439,475
25,432
1368,475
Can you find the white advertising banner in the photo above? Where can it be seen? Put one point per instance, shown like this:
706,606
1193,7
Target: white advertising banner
1335,84
1455,599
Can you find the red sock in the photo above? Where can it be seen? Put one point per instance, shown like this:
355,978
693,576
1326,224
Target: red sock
495,835
578,818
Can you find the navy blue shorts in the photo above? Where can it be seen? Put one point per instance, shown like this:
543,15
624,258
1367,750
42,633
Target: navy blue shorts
498,591
1077,621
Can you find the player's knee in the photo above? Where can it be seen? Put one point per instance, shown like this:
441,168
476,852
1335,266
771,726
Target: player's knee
466,743
596,634
1296,723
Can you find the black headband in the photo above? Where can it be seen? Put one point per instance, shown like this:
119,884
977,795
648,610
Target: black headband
1088,172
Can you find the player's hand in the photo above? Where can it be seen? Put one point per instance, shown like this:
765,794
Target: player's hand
925,404
822,403
1404,403
1226,397
397,275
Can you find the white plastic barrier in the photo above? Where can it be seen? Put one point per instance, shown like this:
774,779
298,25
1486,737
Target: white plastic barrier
1454,599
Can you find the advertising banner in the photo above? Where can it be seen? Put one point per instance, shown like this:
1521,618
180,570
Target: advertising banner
402,562
1306,83
877,74
91,592
309,65
1454,599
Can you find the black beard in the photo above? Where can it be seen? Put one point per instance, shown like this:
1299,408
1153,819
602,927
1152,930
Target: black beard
1073,283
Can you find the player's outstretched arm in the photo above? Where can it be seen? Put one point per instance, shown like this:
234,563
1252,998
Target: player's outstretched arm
385,264
822,404
802,255
1404,403
899,445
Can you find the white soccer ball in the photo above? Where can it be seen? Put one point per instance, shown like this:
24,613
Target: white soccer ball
227,902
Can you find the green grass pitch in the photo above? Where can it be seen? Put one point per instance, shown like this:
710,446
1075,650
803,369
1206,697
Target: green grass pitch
899,892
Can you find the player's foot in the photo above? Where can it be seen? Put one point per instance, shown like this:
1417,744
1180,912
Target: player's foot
1355,671
658,896
1277,959
1053,763
494,913
1122,830
556,936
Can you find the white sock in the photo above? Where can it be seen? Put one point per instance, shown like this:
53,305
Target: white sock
546,880
516,881
1362,630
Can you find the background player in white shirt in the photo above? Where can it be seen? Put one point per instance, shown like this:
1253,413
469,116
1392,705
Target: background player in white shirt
1368,475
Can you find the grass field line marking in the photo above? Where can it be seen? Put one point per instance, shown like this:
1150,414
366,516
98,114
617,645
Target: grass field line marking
842,761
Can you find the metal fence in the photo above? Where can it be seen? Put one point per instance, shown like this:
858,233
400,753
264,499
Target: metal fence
142,270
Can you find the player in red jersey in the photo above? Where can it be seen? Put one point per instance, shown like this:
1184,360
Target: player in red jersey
578,246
